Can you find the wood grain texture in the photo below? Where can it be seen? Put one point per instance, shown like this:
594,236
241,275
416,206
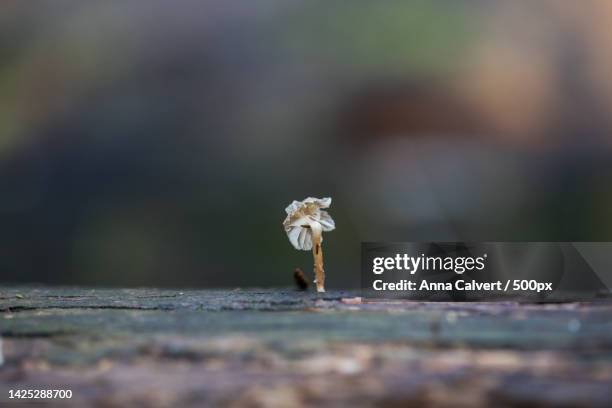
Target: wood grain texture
267,347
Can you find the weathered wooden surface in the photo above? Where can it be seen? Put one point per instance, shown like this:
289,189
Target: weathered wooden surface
286,348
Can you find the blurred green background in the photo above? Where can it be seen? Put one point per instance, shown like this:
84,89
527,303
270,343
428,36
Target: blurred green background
157,143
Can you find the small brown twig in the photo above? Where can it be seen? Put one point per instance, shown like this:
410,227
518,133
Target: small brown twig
300,279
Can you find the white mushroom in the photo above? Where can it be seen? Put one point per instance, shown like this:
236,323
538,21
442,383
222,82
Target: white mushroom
304,226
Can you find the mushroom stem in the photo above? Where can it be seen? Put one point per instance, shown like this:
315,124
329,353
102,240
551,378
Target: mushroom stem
317,254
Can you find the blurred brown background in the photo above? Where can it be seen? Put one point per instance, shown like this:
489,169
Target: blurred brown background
157,143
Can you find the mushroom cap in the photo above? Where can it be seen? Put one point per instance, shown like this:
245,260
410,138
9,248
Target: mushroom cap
300,214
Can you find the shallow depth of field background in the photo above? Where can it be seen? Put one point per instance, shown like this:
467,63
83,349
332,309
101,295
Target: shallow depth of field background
157,143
